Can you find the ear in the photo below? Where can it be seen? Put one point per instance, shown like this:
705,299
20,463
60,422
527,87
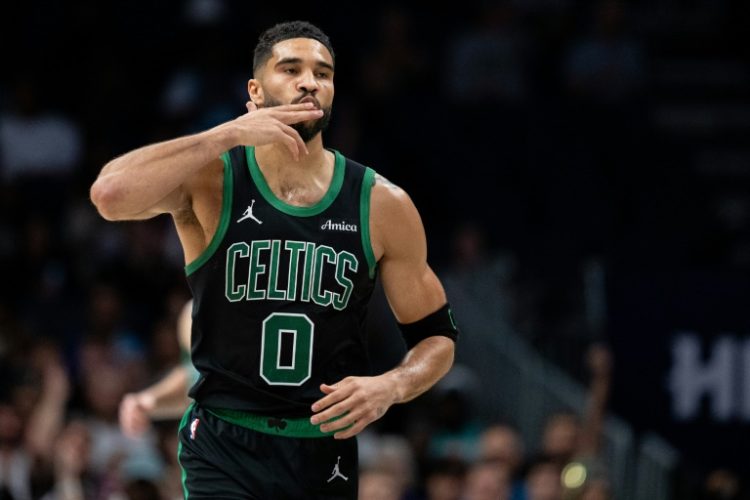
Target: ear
255,91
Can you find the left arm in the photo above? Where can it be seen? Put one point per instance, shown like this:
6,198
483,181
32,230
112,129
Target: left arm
413,292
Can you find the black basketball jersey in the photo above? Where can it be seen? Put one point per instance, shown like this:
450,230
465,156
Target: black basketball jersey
280,293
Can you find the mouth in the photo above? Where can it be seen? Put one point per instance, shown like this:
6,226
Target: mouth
310,99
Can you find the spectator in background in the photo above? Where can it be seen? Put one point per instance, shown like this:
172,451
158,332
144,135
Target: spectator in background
397,62
543,479
379,484
456,430
569,442
565,437
73,480
166,398
722,484
106,340
393,75
31,415
445,479
486,64
114,456
607,65
487,481
501,445
38,150
391,455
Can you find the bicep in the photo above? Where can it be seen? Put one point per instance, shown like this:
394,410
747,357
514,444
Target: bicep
411,286
412,291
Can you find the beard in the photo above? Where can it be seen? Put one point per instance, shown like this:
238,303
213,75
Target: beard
309,129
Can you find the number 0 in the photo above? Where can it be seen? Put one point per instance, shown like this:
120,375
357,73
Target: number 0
275,327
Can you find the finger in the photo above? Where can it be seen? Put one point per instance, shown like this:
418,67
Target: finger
285,134
301,146
294,107
352,431
334,412
290,117
289,140
347,419
339,394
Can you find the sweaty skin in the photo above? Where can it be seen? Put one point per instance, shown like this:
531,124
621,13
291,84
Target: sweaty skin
184,177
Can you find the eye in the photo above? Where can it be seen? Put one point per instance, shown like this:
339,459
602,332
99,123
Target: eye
290,71
323,75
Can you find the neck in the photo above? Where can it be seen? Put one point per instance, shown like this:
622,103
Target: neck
296,182
276,158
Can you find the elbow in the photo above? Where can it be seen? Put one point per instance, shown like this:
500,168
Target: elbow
104,195
450,356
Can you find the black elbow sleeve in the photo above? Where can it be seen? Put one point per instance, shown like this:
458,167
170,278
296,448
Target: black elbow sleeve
440,322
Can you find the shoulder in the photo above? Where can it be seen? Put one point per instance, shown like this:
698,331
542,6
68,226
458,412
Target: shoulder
393,217
389,200
388,196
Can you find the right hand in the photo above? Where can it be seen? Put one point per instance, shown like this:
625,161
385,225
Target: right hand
134,413
268,125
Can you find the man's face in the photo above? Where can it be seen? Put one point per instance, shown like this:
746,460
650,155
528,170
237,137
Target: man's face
299,70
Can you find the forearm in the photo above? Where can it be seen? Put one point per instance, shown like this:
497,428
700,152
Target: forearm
137,181
45,423
421,368
169,393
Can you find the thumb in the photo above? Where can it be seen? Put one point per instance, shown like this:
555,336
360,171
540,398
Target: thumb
250,105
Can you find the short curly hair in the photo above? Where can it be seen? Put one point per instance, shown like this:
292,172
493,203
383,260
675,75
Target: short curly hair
285,31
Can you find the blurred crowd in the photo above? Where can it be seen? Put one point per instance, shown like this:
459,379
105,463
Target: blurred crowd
61,439
543,124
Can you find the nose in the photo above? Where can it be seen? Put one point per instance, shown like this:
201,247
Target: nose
307,83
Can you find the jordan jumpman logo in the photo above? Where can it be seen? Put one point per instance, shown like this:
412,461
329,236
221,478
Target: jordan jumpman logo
337,472
249,214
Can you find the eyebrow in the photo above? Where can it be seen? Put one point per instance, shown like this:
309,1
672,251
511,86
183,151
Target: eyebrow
297,60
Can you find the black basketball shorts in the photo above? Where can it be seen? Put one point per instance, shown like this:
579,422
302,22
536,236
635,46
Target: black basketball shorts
243,456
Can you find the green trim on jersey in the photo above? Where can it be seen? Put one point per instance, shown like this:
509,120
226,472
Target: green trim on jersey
226,213
364,213
289,427
183,423
333,190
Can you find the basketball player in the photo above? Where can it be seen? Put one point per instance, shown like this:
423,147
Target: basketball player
283,239
167,398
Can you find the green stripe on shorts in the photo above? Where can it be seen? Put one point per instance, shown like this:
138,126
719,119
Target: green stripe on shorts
289,427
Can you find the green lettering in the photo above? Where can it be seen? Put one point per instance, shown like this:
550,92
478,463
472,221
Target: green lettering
345,260
294,247
256,269
273,275
322,253
307,271
232,292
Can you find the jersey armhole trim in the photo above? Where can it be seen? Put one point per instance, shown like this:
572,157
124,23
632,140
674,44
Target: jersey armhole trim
226,212
364,214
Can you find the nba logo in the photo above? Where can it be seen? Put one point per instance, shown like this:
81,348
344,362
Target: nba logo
194,427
